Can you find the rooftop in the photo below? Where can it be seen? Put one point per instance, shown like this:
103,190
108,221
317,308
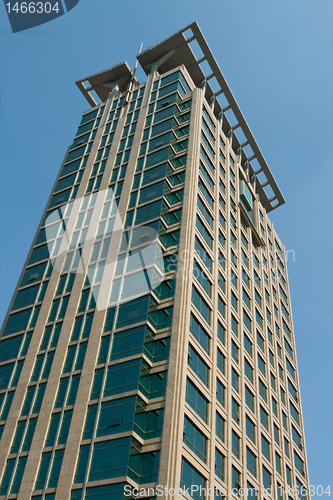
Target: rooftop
205,73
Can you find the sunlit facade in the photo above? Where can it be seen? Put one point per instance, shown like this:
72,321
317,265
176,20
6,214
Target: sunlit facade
150,339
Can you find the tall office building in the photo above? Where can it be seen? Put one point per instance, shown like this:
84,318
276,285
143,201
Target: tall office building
150,340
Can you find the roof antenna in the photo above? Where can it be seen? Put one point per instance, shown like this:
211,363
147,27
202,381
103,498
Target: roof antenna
131,83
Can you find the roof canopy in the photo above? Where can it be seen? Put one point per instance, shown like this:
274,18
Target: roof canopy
172,53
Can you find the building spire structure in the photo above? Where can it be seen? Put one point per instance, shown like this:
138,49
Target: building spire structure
149,345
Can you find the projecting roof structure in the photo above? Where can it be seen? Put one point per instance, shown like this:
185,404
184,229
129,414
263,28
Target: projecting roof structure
174,52
104,81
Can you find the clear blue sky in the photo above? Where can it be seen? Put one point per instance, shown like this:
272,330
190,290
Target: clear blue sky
277,59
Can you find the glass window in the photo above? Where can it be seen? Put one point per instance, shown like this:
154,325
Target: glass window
235,410
201,305
109,459
196,400
248,370
219,464
220,426
199,333
194,439
249,398
198,365
235,444
267,478
264,417
246,320
189,477
250,429
265,447
236,480
115,416
220,392
235,380
261,365
234,351
251,461
263,390
248,345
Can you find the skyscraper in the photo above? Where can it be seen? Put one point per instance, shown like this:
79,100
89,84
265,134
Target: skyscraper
149,343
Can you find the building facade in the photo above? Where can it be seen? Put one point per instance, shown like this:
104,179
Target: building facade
149,342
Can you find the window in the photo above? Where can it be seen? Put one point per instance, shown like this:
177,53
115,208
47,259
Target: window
221,282
233,278
276,434
246,320
220,426
251,461
190,476
199,333
294,413
260,342
271,358
109,459
245,259
221,332
234,351
249,399
234,325
236,480
275,407
301,490
196,400
264,417
204,232
198,365
278,463
233,257
265,447
288,349
259,319
246,299
235,410
220,392
248,370
246,279
5,374
220,361
235,444
267,478
296,437
201,305
290,368
250,429
234,301
261,365
263,390
194,439
252,493
286,447
235,380
219,464
248,345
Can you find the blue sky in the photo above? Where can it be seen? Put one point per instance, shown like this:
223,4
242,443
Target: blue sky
277,59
